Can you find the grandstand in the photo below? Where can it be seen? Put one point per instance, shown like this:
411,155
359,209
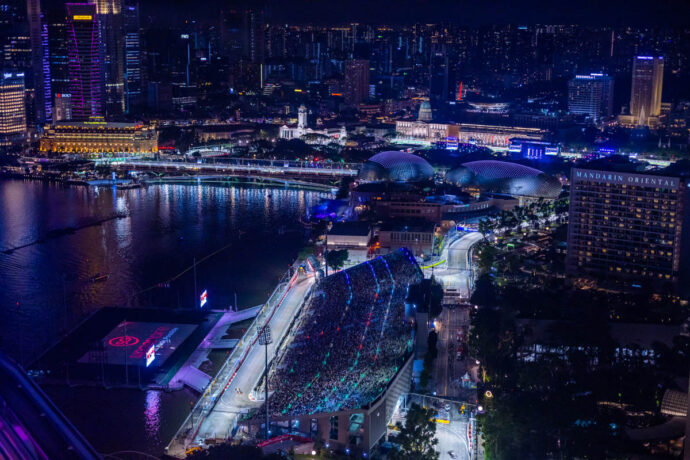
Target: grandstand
346,360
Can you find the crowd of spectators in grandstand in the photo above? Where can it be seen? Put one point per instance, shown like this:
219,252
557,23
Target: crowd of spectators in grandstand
349,341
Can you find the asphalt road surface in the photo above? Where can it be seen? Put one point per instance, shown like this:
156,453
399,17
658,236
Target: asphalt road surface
455,273
452,438
232,403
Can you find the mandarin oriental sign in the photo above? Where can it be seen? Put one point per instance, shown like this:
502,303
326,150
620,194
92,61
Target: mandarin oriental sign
612,177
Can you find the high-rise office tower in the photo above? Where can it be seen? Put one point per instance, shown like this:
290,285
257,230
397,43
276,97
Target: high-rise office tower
110,20
356,81
647,82
133,61
15,47
439,79
12,109
58,41
626,225
253,29
62,107
591,95
86,61
40,68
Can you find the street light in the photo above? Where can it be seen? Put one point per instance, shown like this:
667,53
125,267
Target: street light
325,252
265,339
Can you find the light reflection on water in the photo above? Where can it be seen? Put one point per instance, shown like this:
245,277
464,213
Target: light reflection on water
44,288
152,414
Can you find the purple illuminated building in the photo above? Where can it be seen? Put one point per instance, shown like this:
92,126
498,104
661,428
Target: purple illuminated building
85,51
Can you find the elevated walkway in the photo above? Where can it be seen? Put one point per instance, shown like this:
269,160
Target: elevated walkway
214,340
193,378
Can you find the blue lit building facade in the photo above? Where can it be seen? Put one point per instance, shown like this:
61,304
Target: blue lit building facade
591,95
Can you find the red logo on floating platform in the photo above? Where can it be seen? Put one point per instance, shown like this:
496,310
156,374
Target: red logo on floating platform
123,341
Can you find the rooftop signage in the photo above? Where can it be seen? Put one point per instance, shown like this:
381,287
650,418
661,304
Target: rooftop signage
614,177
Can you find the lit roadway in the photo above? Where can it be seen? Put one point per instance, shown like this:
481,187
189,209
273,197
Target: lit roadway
449,370
452,438
455,273
222,419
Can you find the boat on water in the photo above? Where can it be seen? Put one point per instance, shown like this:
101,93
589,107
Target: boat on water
129,186
99,277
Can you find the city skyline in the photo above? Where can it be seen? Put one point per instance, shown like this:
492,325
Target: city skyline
389,230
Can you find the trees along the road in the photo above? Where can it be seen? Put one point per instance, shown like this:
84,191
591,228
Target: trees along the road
336,259
417,438
486,256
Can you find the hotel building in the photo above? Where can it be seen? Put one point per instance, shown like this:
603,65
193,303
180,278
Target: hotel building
99,137
591,95
626,225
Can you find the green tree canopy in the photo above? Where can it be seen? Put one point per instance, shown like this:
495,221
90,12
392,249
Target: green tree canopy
486,257
336,259
428,296
417,439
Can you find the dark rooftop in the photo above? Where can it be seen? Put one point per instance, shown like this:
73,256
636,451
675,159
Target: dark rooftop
350,228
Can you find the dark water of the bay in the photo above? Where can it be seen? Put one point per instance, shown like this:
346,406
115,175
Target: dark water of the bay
51,243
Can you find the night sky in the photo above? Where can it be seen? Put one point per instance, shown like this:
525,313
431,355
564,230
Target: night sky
594,12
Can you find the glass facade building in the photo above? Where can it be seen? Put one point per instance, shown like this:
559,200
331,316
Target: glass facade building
86,51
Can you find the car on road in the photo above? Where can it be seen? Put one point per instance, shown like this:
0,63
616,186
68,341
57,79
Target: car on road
460,353
452,454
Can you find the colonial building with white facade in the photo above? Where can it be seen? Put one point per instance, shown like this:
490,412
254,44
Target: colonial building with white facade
312,136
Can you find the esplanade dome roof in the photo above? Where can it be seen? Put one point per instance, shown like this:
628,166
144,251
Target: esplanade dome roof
505,177
396,166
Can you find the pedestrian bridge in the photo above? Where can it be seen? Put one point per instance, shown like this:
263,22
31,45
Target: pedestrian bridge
300,174
240,166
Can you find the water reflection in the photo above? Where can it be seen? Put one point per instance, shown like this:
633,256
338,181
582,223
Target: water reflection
152,414
167,226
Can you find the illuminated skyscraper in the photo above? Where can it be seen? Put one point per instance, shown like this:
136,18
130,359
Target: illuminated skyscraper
58,59
439,79
253,29
110,21
12,110
40,68
62,107
356,81
647,82
86,61
133,67
591,95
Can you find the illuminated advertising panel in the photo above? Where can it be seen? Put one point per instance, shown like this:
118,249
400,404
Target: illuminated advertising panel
150,355
203,299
